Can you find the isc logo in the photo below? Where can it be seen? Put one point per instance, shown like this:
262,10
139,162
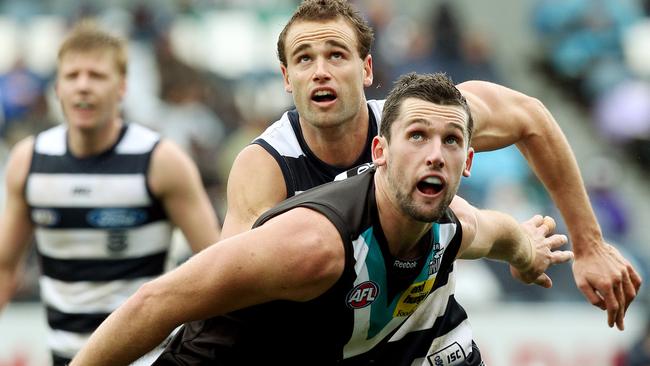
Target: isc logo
362,295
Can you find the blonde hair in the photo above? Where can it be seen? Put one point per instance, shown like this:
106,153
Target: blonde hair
87,36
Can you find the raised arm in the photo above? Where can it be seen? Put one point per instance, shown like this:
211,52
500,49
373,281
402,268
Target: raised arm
251,268
529,248
16,228
503,117
175,179
255,184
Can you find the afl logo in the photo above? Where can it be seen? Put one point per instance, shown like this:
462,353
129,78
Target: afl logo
362,295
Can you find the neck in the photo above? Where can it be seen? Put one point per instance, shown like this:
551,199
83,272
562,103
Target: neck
83,143
402,232
339,145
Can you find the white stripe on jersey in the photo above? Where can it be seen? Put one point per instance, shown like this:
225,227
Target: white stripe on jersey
429,310
60,190
86,296
280,135
360,253
52,141
90,244
66,344
447,232
377,107
137,140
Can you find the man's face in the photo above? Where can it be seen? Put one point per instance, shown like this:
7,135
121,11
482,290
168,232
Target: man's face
325,72
426,157
90,88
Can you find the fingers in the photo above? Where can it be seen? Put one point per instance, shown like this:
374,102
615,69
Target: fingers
594,297
544,280
629,290
621,309
557,241
549,223
561,256
634,277
611,304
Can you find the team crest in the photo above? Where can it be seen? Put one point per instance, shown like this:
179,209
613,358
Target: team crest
362,295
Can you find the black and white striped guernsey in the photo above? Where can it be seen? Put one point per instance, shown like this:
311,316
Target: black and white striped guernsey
300,167
100,232
419,323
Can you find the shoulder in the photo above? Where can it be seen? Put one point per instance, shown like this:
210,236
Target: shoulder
376,106
18,164
137,139
281,137
466,216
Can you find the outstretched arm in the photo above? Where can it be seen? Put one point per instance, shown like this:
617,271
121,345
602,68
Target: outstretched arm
257,266
504,117
530,248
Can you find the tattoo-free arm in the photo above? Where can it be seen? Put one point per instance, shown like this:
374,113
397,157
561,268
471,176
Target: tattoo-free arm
530,248
504,117
257,266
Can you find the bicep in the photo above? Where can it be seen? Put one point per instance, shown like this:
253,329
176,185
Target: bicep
502,116
256,266
255,184
175,179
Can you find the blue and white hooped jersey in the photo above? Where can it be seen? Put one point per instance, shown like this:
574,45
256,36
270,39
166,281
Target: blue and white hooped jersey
100,233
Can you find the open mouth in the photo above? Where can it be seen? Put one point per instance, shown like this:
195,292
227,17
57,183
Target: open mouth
430,185
83,105
320,96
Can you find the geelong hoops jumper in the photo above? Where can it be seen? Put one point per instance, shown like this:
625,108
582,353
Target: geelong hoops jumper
372,315
301,169
100,233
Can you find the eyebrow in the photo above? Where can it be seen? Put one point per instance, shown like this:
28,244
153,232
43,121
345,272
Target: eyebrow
331,43
454,125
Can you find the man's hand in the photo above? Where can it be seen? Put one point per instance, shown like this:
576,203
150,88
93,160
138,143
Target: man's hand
607,280
544,254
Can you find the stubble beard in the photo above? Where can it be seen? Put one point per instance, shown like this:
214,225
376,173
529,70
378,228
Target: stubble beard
410,208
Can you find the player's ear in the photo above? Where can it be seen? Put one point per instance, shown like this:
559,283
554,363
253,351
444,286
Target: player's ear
468,162
285,78
379,145
367,71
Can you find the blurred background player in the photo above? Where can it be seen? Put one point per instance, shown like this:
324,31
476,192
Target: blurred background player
101,195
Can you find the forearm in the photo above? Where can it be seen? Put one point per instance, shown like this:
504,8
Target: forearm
510,243
127,334
551,158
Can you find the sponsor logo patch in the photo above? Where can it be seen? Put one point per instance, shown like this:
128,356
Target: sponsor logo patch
45,217
362,295
116,217
448,356
412,297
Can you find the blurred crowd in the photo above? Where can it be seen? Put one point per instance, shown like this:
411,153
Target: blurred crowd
598,51
205,74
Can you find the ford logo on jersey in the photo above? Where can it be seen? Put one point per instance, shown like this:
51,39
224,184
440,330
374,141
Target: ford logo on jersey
362,295
116,217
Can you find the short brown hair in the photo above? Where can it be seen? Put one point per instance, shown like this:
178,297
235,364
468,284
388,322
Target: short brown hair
320,10
436,88
87,36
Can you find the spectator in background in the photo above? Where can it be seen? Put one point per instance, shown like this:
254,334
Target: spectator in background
21,95
583,40
101,196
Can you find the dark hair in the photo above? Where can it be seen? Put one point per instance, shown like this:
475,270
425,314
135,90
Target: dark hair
436,88
88,36
320,10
